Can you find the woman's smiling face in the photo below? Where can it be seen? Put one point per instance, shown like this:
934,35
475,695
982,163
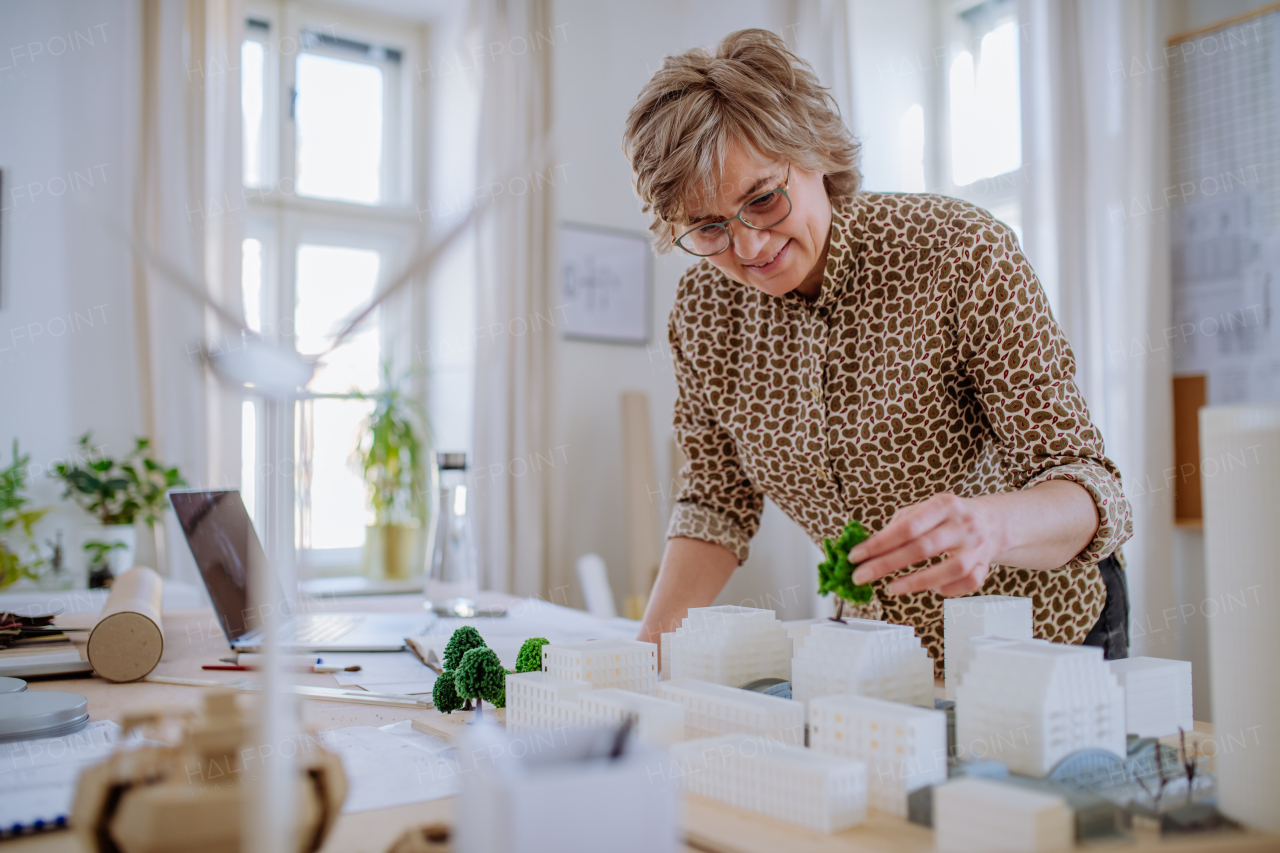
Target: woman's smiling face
791,255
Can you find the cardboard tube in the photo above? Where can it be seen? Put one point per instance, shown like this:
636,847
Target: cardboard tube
126,642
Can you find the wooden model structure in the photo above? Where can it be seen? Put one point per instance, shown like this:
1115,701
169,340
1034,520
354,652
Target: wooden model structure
189,797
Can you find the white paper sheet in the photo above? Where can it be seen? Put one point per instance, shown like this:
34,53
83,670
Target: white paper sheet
378,668
402,688
392,765
38,777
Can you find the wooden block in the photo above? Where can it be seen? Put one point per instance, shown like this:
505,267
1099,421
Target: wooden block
1190,393
451,727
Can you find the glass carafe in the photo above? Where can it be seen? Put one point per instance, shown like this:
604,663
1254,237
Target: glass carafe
452,577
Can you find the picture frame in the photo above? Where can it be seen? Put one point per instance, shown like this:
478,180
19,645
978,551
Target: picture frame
606,285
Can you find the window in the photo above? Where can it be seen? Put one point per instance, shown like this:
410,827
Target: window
984,127
327,105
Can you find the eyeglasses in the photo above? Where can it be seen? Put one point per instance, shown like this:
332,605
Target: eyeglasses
759,214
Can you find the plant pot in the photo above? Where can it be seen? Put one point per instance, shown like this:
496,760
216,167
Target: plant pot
392,551
120,560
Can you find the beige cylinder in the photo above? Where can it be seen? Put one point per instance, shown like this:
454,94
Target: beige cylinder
126,642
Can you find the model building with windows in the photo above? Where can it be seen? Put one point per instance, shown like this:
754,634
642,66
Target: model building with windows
865,657
656,721
904,746
1030,704
978,616
729,645
1157,695
714,709
812,789
625,664
539,700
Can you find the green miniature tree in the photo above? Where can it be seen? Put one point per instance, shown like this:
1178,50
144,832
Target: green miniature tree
444,695
480,676
530,657
463,640
835,574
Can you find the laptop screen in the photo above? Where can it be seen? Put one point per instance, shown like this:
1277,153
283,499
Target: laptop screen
224,545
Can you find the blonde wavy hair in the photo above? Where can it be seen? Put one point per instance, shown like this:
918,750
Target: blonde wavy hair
752,90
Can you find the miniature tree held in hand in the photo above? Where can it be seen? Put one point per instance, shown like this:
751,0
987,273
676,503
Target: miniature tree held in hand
835,574
463,640
480,676
444,695
530,657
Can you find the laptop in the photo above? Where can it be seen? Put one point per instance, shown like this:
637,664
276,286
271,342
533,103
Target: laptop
224,544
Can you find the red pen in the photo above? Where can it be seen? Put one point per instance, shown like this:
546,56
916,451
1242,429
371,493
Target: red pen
227,667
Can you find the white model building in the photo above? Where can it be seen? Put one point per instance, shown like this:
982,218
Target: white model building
972,815
1157,695
657,721
729,645
626,664
1030,704
904,746
865,657
539,700
713,709
789,783
976,616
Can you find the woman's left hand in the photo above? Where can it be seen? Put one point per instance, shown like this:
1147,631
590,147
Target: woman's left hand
967,530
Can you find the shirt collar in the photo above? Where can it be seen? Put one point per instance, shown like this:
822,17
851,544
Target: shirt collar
841,258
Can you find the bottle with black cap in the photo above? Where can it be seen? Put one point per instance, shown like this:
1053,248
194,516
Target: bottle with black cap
453,577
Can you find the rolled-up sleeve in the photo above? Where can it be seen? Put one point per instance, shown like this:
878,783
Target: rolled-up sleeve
1023,372
718,502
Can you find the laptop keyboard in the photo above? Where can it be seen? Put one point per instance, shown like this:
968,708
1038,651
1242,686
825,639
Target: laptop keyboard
322,628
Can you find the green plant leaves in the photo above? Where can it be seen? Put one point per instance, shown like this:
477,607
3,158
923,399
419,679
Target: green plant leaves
481,676
118,491
444,694
18,559
529,658
835,573
460,642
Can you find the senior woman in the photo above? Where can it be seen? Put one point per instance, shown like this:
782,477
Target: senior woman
883,357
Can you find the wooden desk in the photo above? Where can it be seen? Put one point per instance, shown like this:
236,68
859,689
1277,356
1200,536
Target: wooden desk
192,638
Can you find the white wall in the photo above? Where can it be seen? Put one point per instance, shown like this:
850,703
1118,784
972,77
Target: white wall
67,360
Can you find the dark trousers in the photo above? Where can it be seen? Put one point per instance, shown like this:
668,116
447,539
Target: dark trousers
1112,630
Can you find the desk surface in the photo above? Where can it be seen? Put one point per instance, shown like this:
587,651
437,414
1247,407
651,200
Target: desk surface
193,638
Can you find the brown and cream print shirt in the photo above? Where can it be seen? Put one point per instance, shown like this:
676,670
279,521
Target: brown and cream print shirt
930,362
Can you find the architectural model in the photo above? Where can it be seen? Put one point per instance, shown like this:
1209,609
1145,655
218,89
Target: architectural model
539,700
713,709
904,746
729,645
865,657
813,789
1029,704
972,815
975,616
626,664
657,721
1157,695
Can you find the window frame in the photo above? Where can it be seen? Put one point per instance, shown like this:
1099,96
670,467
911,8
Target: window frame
283,220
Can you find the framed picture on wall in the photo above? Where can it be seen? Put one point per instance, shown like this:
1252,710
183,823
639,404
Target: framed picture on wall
605,284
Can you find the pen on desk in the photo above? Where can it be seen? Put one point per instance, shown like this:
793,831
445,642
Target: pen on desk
313,668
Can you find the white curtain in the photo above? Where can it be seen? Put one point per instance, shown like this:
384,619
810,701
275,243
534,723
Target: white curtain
1095,154
187,176
515,243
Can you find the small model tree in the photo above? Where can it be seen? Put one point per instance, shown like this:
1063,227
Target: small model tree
480,676
530,657
835,574
463,640
444,695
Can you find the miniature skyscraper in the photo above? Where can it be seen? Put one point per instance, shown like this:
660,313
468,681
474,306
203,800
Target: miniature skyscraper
1157,695
1030,704
976,616
904,746
865,657
729,645
789,783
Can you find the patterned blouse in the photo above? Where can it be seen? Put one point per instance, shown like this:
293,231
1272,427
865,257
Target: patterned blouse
930,362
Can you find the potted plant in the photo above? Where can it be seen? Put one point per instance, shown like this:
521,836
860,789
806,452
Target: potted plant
118,493
392,456
19,555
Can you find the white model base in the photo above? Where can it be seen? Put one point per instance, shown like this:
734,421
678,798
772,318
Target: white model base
729,645
713,709
976,616
904,746
866,657
1157,695
973,815
789,783
1030,704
